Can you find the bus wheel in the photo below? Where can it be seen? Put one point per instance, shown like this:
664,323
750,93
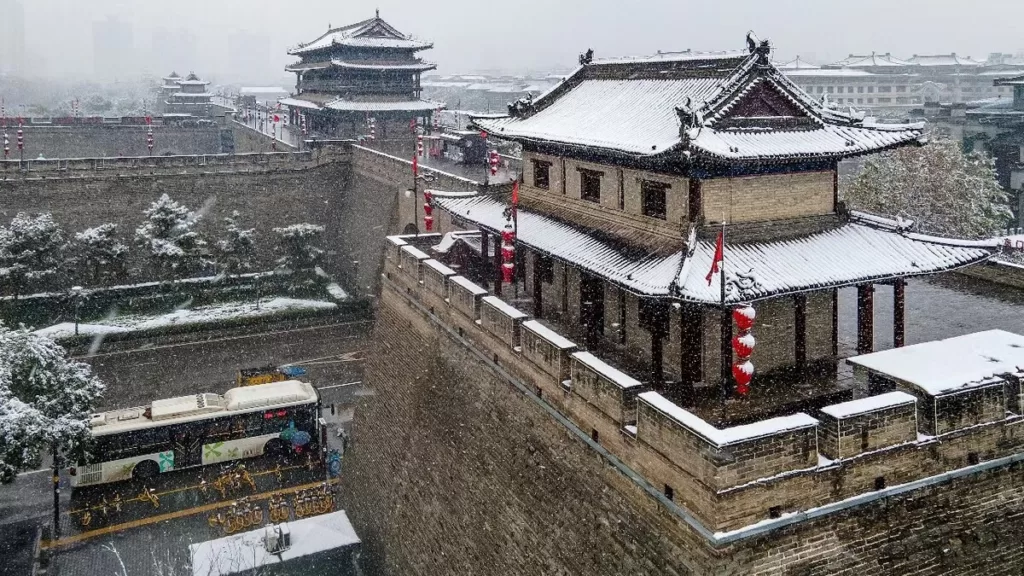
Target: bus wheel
277,449
145,470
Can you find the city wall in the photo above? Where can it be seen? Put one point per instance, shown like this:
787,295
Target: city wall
476,455
115,140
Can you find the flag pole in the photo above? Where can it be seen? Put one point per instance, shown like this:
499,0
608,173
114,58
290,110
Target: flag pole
726,328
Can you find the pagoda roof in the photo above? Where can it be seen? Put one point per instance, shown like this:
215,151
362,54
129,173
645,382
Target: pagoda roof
797,64
192,80
321,101
370,33
334,63
944,60
718,106
871,60
860,249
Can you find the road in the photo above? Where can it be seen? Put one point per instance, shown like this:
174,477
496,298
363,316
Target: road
332,356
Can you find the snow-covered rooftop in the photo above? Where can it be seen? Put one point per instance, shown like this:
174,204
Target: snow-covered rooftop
299,103
370,33
363,106
415,252
287,392
439,267
468,285
869,404
944,60
950,365
871,60
865,248
796,64
658,105
827,72
247,553
725,436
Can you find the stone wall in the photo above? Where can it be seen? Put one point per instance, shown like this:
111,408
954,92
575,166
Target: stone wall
112,141
769,197
468,458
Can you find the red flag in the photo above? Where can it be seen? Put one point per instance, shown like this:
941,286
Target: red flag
718,256
515,193
415,166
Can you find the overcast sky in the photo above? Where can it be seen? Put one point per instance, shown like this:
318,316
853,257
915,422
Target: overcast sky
516,36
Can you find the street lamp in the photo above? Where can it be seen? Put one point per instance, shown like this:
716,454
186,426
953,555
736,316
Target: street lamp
76,294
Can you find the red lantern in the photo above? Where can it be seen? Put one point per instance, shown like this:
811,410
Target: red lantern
428,223
508,271
743,372
508,236
743,345
744,317
428,196
483,134
428,209
21,139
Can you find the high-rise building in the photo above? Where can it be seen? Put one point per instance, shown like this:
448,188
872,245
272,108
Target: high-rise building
113,49
12,37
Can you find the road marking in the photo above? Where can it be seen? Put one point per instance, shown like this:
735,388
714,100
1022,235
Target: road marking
48,544
226,339
339,385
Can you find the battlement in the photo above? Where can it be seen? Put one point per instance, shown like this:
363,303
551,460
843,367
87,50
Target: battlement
734,481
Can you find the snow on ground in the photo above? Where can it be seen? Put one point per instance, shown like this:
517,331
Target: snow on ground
186,316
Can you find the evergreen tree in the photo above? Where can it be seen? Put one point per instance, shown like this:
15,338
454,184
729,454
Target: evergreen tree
102,253
169,236
942,189
32,251
46,402
300,257
236,250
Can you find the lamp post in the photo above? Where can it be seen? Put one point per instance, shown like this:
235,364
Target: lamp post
76,294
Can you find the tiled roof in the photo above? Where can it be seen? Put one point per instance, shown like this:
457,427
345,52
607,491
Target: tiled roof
415,66
371,33
870,60
944,60
357,106
866,248
646,107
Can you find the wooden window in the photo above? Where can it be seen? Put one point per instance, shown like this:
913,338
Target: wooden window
590,185
541,174
653,198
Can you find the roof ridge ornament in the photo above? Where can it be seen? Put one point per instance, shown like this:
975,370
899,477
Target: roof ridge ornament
587,57
762,48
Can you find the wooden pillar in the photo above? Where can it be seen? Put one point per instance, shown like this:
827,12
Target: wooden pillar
538,288
657,357
485,258
800,330
497,266
865,319
835,322
695,202
725,364
691,332
899,310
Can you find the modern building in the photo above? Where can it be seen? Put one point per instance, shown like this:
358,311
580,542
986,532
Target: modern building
582,382
360,75
12,37
886,83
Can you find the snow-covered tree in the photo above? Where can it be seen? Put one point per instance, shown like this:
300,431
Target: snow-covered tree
170,237
938,186
102,253
236,250
300,257
32,251
46,401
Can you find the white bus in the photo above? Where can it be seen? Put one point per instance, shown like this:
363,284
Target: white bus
279,418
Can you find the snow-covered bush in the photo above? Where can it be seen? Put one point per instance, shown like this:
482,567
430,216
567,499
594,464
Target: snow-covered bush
32,252
236,250
46,401
101,253
300,257
170,238
938,186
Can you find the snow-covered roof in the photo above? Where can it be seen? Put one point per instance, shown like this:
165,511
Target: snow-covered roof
871,60
249,397
944,60
382,106
950,365
299,103
370,33
247,553
614,375
796,64
252,90
683,56
654,106
823,72
500,305
553,338
726,436
869,404
864,248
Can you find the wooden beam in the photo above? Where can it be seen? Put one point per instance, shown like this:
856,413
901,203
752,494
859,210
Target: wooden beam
691,332
800,330
484,258
899,311
538,289
865,318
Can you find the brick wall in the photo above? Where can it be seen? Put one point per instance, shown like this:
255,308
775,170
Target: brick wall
849,436
453,470
768,197
115,140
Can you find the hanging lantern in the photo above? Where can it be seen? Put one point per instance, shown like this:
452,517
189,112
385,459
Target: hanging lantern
494,162
7,146
743,345
744,317
508,253
149,140
419,145
428,210
483,134
743,372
